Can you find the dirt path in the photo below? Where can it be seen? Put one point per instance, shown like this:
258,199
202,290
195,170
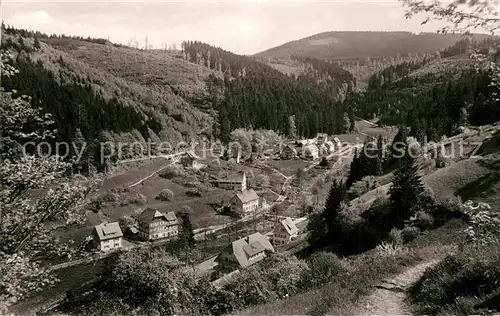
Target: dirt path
390,295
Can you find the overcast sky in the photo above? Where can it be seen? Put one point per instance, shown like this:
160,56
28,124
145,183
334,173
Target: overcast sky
244,27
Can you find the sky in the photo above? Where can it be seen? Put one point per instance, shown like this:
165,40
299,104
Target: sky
240,26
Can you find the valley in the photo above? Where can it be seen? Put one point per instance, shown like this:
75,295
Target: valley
343,173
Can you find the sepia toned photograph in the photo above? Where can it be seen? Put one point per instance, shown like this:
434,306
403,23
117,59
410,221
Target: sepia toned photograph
249,157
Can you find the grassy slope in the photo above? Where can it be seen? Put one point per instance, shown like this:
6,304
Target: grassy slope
366,270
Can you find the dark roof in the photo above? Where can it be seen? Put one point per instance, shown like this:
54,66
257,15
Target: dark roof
150,214
107,231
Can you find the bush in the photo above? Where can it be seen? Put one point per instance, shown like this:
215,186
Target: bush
108,197
165,195
324,162
323,267
462,282
409,233
193,193
363,186
424,220
171,172
395,237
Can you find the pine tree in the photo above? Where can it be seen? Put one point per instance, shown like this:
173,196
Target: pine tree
380,156
331,212
36,44
351,119
405,191
399,142
292,127
325,227
355,170
186,234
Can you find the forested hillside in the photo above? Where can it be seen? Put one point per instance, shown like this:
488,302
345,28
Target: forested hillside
91,103
253,94
362,45
431,104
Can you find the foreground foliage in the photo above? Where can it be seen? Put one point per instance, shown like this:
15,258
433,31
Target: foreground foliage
35,198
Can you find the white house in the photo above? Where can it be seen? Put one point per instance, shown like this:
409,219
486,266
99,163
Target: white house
107,236
311,152
284,232
245,202
244,252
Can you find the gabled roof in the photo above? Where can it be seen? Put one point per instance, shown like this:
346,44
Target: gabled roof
290,148
289,226
248,246
171,216
107,231
150,214
247,196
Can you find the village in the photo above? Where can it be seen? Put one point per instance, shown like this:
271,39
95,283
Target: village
270,207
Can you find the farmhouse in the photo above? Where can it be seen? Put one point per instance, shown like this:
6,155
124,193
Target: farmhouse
188,160
288,152
107,236
245,202
311,152
237,182
284,232
154,224
244,252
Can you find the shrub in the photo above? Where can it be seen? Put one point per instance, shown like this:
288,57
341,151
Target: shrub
424,220
171,172
285,273
139,199
409,233
324,162
187,209
395,237
165,195
363,186
459,283
193,193
323,267
386,249
109,197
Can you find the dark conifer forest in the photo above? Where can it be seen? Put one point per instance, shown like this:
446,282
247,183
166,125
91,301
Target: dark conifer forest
256,95
431,105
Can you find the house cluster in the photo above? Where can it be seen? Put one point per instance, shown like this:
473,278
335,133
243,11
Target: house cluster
311,149
284,232
244,252
152,225
251,249
244,201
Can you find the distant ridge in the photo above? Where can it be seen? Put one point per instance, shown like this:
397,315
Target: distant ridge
361,45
